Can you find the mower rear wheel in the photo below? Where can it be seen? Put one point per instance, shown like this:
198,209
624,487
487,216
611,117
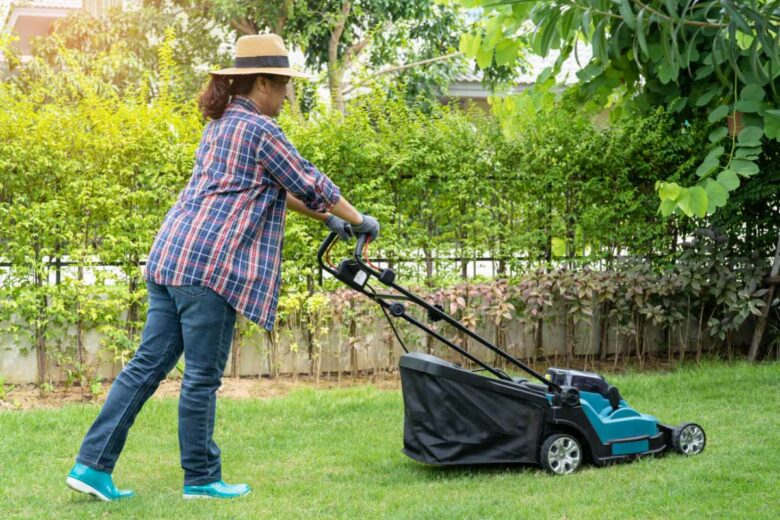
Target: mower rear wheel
561,454
688,439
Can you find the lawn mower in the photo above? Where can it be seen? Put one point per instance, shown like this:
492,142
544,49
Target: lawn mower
457,416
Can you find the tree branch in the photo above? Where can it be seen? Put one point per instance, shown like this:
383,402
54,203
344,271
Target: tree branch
399,68
283,15
244,26
335,36
353,50
575,5
684,22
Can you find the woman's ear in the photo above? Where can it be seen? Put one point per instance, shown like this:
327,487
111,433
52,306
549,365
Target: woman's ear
261,84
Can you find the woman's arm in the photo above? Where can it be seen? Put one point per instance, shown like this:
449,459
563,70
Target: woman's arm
297,205
342,209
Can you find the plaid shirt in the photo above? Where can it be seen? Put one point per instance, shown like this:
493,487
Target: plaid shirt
226,229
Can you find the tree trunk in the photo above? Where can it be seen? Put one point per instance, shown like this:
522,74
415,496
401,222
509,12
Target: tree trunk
353,355
80,332
309,335
335,77
335,68
132,312
292,98
40,339
604,336
270,337
539,339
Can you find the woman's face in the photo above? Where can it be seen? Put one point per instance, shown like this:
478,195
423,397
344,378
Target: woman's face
269,94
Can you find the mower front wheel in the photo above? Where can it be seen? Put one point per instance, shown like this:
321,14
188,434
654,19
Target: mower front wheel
561,454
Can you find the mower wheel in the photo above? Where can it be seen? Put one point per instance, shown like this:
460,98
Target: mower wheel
561,454
688,439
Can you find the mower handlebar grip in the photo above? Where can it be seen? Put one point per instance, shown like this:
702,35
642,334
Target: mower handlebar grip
361,243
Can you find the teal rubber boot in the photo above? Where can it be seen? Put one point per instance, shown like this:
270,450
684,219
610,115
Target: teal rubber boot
216,489
96,483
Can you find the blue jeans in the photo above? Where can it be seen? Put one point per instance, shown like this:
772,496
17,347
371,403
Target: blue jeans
192,319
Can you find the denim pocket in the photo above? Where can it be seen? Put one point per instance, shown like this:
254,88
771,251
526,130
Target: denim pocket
192,291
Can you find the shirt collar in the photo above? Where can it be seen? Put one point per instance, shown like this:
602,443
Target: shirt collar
246,103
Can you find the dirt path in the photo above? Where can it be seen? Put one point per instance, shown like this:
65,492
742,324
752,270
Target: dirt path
25,397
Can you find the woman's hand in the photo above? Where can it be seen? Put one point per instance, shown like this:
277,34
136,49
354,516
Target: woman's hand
341,227
368,225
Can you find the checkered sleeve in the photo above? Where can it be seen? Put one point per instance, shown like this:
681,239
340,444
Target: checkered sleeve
294,173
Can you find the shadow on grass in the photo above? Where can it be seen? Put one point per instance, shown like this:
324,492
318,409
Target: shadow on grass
468,470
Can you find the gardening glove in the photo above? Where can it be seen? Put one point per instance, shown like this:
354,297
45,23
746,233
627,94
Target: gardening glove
369,226
341,227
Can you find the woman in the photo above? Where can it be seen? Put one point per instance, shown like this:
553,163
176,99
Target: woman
218,251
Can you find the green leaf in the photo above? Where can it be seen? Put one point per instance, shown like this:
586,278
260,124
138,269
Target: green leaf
707,168
585,23
750,134
667,72
550,29
748,153
718,134
729,180
718,114
706,97
717,194
543,76
506,51
667,207
684,202
567,21
736,17
493,32
703,72
470,44
753,92
678,105
656,52
714,154
744,167
599,42
745,40
484,58
749,106
592,70
627,13
772,124
640,32
698,201
669,191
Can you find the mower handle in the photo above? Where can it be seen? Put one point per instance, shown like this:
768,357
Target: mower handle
362,241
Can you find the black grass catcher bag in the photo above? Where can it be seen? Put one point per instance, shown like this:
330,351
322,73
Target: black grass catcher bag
453,416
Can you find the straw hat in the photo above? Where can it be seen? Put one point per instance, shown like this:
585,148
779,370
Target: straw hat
261,53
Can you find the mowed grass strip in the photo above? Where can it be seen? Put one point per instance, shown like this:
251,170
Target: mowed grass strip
337,454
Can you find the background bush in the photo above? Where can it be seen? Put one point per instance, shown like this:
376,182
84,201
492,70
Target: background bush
88,181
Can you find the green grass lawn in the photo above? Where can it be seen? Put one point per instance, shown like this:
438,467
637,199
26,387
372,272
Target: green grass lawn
337,454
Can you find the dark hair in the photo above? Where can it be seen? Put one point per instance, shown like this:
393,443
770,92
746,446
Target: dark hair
220,89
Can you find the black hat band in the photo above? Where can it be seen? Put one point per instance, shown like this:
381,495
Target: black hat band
251,62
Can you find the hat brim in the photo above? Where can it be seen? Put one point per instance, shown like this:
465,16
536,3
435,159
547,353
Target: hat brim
235,71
